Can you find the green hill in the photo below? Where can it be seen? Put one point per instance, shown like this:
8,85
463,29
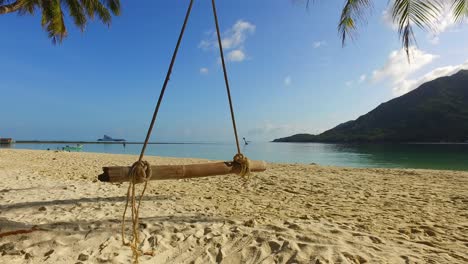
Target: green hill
437,111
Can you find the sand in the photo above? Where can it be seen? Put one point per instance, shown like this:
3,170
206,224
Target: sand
290,214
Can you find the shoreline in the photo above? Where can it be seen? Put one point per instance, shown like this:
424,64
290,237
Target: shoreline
292,212
204,160
101,142
383,164
202,143
374,143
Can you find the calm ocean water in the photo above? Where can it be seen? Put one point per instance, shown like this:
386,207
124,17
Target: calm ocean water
426,156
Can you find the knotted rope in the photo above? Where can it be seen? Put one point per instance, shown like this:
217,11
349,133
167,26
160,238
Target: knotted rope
139,172
244,163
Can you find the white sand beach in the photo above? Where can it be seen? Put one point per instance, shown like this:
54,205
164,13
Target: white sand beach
289,214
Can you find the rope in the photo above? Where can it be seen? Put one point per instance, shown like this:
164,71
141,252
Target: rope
141,170
166,81
239,157
226,81
244,163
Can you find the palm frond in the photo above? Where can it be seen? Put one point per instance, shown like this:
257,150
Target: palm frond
460,10
103,13
406,13
88,6
28,6
113,6
96,7
53,21
76,11
353,12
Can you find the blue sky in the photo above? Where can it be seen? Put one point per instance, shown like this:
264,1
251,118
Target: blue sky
288,71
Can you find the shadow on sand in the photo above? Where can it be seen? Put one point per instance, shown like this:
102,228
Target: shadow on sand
102,225
76,201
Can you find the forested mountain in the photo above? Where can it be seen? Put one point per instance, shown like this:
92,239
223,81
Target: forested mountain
437,111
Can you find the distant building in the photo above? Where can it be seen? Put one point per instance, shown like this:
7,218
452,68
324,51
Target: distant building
6,141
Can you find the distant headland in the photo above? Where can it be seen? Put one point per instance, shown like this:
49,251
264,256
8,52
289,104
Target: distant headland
437,111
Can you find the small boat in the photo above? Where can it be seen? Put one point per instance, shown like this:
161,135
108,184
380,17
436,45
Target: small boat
107,138
77,148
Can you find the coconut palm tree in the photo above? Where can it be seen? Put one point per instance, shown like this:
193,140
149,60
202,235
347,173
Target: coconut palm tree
406,14
53,13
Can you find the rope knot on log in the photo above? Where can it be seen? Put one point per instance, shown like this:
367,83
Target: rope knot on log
244,163
140,172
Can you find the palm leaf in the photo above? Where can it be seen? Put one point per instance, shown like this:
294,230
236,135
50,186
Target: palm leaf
88,6
95,7
113,6
460,10
77,13
53,21
406,13
353,13
103,13
28,6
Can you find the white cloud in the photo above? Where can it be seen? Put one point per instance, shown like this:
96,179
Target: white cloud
237,35
362,78
387,18
204,70
287,80
397,68
236,55
205,44
411,84
233,40
398,72
442,24
318,44
445,20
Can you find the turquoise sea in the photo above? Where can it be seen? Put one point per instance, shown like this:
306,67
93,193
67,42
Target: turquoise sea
424,156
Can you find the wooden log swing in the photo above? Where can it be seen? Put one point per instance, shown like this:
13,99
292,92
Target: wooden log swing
142,172
117,174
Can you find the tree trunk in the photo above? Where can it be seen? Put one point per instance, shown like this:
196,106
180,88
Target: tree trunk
10,8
